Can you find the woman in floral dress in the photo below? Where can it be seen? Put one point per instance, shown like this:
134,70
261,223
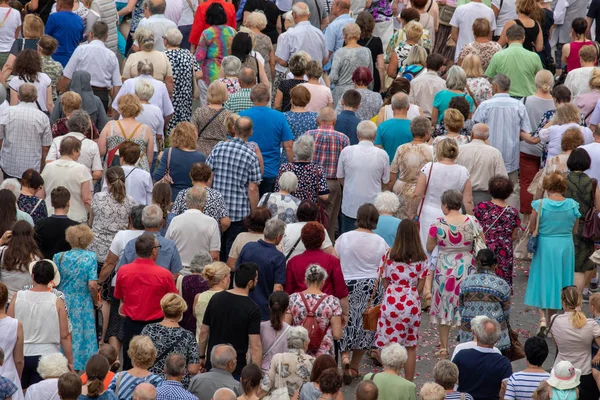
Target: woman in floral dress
454,234
78,270
403,274
478,85
500,223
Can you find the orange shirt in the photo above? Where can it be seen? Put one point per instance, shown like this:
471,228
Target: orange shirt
107,380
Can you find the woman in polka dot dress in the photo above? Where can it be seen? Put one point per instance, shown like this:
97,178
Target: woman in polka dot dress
404,272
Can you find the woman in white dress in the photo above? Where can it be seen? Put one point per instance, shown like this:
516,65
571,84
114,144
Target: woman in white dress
11,341
442,175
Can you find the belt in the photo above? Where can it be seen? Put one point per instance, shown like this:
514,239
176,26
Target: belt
100,88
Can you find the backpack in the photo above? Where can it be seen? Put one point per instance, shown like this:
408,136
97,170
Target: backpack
311,324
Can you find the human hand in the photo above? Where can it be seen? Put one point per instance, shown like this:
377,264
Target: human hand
6,237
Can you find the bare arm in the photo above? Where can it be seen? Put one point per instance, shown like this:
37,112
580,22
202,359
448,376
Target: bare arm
392,69
454,33
18,354
202,343
289,150
86,194
380,70
434,115
109,264
468,197
253,195
170,83
65,335
93,289
566,50
224,223
419,193
336,327
44,155
102,139
344,304
431,243
278,100
255,349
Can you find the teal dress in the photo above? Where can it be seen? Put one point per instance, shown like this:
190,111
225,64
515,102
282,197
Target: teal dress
76,268
553,264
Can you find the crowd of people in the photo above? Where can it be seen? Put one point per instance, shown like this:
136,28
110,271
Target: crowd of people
243,200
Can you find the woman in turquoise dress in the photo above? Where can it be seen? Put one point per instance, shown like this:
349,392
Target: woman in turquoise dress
553,264
78,269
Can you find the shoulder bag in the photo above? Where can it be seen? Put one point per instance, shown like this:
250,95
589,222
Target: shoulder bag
515,351
591,224
418,218
35,208
293,248
167,176
446,13
322,216
281,393
478,242
210,121
371,314
532,243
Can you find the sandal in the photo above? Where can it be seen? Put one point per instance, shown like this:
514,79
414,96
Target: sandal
542,329
354,373
442,354
375,357
347,376
426,303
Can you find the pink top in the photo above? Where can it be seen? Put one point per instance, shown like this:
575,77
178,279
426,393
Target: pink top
573,61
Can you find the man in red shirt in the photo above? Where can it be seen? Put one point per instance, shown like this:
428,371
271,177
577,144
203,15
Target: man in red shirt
200,20
140,286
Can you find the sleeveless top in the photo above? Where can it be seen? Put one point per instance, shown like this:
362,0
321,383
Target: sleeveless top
531,35
573,61
114,139
8,340
37,312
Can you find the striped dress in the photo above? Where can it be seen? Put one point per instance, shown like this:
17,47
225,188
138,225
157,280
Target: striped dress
214,45
127,384
521,385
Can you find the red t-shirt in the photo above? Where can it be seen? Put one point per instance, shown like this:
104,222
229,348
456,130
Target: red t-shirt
141,285
200,19
334,284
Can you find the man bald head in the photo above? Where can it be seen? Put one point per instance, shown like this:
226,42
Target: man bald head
157,6
27,93
224,394
300,12
144,391
340,7
480,131
326,116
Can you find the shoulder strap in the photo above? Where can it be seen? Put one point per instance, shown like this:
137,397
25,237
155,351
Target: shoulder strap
425,193
5,17
430,5
377,281
189,3
373,376
471,94
210,121
281,336
524,99
496,220
537,218
462,395
318,9
258,67
169,161
311,313
119,383
35,208
179,284
132,132
293,248
134,168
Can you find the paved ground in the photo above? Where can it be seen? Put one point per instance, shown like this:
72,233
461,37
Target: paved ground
523,318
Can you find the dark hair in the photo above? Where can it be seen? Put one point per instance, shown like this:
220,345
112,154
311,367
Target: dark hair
323,362
278,304
215,15
200,172
256,220
109,352
69,386
100,30
366,23
500,187
330,381
115,179
307,211
352,98
32,179
59,197
486,258
245,273
161,196
410,14
313,235
250,378
367,216
27,65
461,104
407,246
400,84
561,94
22,248
129,152
579,26
144,245
367,390
136,217
241,46
3,295
536,350
43,272
579,160
8,210
96,369
434,62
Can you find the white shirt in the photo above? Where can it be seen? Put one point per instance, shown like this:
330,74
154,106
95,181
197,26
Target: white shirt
291,236
99,61
424,88
159,25
483,162
10,25
357,263
160,98
553,136
90,154
117,246
187,14
463,19
507,11
578,81
364,167
194,231
44,390
593,150
41,84
174,9
152,116
138,184
470,345
71,175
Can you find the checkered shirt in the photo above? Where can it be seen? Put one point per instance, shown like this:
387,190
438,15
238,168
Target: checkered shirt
234,166
173,390
329,143
24,130
239,101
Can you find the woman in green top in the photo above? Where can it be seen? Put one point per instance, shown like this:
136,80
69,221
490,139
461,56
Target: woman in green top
455,86
217,275
389,382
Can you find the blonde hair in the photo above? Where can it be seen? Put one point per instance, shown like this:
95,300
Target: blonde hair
142,352
567,113
70,101
595,79
544,80
453,120
414,31
79,236
33,27
472,66
447,148
555,182
216,93
595,301
145,39
184,136
432,391
352,31
572,299
129,106
215,272
588,53
173,305
230,123
256,20
417,55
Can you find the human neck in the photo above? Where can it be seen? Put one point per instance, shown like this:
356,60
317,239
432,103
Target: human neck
485,346
400,114
344,108
61,211
452,134
499,202
200,184
152,229
260,104
391,371
27,191
298,109
174,378
240,291
587,64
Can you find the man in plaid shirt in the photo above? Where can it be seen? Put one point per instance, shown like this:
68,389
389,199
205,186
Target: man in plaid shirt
236,176
328,145
240,100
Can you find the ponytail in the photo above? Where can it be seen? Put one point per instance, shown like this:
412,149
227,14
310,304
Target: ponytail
95,387
578,319
115,177
571,300
278,305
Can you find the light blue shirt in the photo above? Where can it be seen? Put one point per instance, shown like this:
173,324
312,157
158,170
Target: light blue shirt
23,216
334,36
303,37
159,25
506,117
387,226
168,256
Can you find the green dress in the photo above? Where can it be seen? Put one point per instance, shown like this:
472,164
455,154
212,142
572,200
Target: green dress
580,188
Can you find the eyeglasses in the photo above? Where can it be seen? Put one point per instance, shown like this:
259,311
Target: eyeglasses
157,247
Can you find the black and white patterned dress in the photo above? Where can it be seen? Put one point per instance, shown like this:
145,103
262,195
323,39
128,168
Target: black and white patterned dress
184,65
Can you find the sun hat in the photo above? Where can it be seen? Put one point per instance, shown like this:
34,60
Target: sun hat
56,280
564,376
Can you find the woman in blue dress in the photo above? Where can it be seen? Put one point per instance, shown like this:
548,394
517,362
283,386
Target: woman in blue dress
553,264
78,269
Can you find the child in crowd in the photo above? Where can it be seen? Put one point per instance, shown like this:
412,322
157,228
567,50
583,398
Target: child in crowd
7,388
110,353
432,391
69,386
562,384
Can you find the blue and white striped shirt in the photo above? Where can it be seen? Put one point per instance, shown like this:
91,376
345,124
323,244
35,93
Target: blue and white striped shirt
521,385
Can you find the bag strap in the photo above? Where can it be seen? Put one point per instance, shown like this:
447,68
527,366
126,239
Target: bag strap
318,8
35,208
5,17
281,336
189,3
308,310
132,132
258,67
430,5
471,94
373,376
178,284
293,248
134,168
425,193
378,279
210,120
119,382
462,396
537,219
494,223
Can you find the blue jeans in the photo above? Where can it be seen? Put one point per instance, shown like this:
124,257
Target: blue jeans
348,224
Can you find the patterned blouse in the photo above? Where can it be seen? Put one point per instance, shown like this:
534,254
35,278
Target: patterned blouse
215,205
480,89
381,10
295,370
214,45
300,122
54,70
211,129
311,179
233,85
485,51
184,65
129,382
59,128
33,206
285,87
281,206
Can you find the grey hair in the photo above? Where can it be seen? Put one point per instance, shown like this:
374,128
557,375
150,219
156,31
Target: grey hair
315,274
387,202
393,356
301,9
224,394
327,114
145,39
231,66
152,216
416,55
52,365
13,185
400,101
247,76
173,37
366,130
452,199
200,260
79,121
480,131
144,90
274,227
145,67
288,181
477,320
420,127
225,357
502,82
304,148
457,78
175,365
445,374
195,198
297,336
289,17
485,336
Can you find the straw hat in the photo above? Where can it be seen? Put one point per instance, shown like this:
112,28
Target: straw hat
56,280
